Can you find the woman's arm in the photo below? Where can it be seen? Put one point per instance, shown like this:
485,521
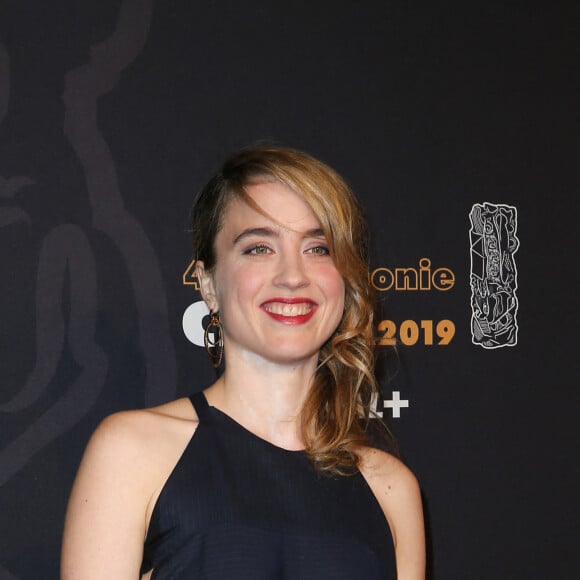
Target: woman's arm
398,493
106,517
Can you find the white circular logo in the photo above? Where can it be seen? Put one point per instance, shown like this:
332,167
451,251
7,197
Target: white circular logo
192,322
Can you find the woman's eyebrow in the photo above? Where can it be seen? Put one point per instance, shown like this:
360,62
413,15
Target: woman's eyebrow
271,232
314,233
262,232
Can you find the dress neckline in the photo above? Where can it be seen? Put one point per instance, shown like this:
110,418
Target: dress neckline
221,414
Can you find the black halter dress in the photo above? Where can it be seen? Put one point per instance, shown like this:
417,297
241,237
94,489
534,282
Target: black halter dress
237,507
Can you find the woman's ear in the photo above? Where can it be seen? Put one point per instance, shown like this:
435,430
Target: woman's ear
206,286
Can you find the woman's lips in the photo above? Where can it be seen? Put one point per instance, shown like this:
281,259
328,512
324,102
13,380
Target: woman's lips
290,310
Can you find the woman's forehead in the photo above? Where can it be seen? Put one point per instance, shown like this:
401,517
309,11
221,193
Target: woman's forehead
273,203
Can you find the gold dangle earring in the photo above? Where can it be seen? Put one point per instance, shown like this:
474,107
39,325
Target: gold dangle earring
213,339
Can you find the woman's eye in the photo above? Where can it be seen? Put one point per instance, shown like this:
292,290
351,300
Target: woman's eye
258,250
320,251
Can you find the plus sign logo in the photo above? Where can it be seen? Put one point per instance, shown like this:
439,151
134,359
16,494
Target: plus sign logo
396,404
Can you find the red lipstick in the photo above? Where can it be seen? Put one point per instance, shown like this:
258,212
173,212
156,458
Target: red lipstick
290,310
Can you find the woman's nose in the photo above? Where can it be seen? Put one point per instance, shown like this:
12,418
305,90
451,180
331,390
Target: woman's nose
291,272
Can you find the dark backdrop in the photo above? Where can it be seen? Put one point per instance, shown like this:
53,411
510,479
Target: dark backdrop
113,114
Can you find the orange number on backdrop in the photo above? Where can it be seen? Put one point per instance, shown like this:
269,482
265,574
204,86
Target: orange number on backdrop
190,277
427,326
388,328
445,331
409,332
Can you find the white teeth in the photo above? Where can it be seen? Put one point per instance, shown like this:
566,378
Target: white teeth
288,309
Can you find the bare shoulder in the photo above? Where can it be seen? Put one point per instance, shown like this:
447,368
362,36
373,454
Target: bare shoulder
138,427
398,493
389,475
137,437
125,465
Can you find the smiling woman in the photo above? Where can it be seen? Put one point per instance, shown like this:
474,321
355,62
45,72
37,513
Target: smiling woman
271,274
270,472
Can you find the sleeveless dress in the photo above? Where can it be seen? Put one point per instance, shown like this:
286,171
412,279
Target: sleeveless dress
237,507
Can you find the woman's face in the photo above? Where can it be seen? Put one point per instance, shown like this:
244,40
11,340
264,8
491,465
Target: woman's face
279,294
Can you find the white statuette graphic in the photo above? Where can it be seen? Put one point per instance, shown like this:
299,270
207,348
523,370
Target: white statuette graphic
493,276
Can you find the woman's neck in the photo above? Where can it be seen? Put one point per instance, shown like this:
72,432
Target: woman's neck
264,397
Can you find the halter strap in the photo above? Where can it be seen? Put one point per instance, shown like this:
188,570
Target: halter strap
200,404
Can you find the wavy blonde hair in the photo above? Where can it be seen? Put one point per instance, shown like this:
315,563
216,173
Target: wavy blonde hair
337,410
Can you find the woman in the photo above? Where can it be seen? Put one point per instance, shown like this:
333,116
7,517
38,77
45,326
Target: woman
269,472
